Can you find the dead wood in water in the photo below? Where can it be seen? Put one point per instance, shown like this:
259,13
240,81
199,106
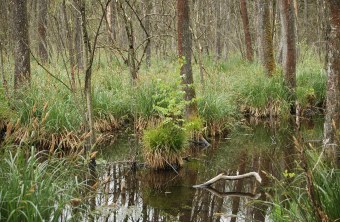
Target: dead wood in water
225,177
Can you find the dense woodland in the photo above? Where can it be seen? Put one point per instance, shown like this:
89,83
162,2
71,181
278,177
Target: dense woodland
77,74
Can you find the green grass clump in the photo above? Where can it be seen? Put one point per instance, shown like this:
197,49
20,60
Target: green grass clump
34,189
5,112
169,137
163,145
45,95
291,201
311,83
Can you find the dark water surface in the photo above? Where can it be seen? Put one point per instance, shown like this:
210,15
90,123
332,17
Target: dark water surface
145,195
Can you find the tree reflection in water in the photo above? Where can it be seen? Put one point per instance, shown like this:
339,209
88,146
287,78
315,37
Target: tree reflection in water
145,195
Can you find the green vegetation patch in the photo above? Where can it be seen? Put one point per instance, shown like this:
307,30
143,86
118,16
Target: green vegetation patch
35,189
163,145
292,201
5,112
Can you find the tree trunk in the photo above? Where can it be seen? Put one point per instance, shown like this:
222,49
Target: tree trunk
184,53
111,20
88,76
131,41
266,37
78,39
218,29
42,27
289,48
22,73
246,30
331,126
70,43
148,5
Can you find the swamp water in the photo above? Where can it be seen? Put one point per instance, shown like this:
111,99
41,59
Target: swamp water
145,195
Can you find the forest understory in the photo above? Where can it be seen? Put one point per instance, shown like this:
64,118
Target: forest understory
50,116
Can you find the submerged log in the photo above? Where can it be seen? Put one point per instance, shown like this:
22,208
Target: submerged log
225,177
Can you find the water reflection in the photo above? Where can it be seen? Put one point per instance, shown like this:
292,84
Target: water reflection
145,195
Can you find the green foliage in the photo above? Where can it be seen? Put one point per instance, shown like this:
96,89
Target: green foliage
257,89
169,102
194,125
230,87
311,82
35,189
5,112
167,136
291,201
47,96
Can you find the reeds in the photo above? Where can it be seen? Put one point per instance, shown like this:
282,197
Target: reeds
34,188
311,193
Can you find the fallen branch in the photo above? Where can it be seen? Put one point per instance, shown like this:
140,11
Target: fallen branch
222,176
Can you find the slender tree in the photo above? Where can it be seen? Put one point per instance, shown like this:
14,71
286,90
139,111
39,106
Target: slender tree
22,72
289,48
331,126
78,46
184,53
245,21
148,8
42,30
111,20
267,50
218,9
70,41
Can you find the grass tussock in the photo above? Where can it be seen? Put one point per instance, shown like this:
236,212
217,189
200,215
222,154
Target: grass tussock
163,146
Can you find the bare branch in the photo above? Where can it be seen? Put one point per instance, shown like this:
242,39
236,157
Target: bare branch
48,72
222,176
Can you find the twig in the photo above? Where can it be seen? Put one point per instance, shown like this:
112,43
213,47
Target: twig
48,72
171,166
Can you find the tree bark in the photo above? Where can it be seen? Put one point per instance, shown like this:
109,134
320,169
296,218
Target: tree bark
266,37
331,126
70,43
184,53
148,5
289,48
42,29
78,46
88,76
131,41
245,21
111,20
22,72
218,29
